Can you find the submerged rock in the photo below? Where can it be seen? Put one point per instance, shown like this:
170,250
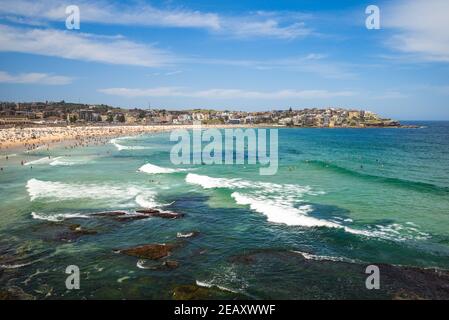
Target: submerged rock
187,234
171,264
139,215
148,211
153,265
15,293
192,292
74,232
77,229
196,292
109,214
327,277
61,231
131,217
159,214
149,251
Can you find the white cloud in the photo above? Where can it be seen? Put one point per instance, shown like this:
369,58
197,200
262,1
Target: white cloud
34,78
224,93
422,28
281,25
81,46
272,27
108,13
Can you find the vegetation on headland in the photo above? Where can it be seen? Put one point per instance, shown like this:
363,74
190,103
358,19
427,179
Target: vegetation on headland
62,112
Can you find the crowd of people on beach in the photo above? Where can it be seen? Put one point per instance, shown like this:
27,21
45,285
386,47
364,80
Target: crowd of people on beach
14,141
18,142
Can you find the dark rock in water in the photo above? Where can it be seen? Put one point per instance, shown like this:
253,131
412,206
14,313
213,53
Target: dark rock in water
61,231
140,214
16,255
195,292
149,251
74,232
324,277
147,211
243,259
131,217
159,214
168,215
413,283
190,234
156,265
77,229
405,295
171,264
110,214
192,292
14,293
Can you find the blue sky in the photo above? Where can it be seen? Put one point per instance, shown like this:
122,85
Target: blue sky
245,55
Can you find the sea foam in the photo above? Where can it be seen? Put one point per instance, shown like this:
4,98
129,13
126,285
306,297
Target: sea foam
53,191
153,169
57,217
45,160
277,212
280,203
121,147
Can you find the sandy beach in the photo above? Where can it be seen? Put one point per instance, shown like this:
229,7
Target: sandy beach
22,139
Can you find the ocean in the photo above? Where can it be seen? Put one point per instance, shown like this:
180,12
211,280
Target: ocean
342,199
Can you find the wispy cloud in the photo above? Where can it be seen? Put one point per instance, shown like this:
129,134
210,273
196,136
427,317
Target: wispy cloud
224,93
81,46
281,25
34,78
105,12
421,28
313,63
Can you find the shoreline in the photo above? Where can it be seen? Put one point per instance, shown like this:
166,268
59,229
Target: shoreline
17,140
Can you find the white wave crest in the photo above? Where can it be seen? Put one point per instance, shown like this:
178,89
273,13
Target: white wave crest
112,195
206,284
57,217
277,212
121,147
280,203
309,256
45,160
62,161
153,169
147,200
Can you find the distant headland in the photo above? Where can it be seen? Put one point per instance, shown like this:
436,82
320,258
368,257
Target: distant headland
54,113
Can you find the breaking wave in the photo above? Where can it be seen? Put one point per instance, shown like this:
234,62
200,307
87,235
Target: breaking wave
45,160
62,161
309,256
121,147
57,217
59,161
206,284
283,203
153,169
112,195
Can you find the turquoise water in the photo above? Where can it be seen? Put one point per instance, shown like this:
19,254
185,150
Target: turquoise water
342,195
